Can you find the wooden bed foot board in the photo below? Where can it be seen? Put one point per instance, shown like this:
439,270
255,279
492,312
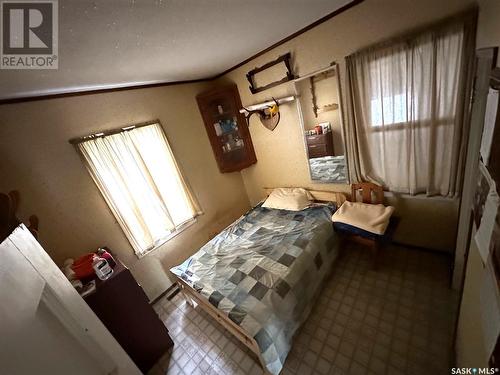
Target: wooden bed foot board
193,297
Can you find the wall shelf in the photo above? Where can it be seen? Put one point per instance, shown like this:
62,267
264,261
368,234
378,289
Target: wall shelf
328,107
267,104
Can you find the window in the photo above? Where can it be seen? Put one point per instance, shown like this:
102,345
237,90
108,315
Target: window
400,82
388,110
140,180
409,109
388,103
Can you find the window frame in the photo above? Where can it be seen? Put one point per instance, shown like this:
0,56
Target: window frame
178,230
445,121
439,121
140,253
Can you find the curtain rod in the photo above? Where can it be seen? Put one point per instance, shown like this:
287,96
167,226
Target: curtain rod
266,104
105,133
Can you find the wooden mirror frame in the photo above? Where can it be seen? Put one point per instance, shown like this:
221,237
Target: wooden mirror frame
311,76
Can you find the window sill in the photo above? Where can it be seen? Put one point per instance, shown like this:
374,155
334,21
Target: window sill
423,123
390,194
163,241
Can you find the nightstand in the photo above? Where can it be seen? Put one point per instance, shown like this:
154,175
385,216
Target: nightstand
320,145
123,307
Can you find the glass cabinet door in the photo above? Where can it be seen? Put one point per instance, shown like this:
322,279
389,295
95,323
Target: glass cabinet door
227,129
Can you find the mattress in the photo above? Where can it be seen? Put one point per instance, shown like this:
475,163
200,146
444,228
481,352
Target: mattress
264,271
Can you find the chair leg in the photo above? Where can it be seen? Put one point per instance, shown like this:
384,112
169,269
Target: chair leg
343,244
376,249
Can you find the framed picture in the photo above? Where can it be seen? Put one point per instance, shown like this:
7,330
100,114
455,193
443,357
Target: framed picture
283,59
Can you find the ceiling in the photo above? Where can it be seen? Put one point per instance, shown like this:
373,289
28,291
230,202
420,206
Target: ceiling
113,43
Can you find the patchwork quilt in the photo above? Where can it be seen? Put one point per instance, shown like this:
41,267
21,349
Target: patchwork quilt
263,272
328,168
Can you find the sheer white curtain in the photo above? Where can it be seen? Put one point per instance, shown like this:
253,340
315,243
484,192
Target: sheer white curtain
138,176
408,110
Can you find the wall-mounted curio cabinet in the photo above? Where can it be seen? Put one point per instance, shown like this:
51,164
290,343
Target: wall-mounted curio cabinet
227,128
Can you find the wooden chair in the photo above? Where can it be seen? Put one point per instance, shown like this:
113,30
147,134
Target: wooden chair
372,194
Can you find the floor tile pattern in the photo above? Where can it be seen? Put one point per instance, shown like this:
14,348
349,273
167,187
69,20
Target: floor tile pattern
397,319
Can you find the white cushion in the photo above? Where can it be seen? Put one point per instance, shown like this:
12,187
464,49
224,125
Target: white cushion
373,218
291,199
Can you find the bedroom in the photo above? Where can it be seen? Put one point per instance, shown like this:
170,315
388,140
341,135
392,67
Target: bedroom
97,88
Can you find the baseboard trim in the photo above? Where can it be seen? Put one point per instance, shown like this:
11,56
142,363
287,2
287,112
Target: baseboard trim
163,294
421,248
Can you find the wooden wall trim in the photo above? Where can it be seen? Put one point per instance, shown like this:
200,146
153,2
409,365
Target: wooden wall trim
97,91
160,84
294,35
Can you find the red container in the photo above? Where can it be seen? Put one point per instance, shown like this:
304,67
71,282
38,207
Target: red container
319,129
82,267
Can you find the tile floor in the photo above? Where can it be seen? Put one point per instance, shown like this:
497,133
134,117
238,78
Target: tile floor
396,320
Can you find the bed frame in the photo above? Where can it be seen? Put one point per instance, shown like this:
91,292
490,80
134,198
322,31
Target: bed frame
321,195
194,298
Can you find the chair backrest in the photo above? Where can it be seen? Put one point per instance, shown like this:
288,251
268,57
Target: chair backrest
370,193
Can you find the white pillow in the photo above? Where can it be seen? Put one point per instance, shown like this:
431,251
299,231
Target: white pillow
291,199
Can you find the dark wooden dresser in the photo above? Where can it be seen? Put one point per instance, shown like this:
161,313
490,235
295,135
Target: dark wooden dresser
123,307
320,145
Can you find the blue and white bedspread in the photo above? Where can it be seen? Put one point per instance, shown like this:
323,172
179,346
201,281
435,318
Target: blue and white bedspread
263,272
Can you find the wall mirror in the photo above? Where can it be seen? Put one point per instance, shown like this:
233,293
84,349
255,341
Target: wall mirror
320,112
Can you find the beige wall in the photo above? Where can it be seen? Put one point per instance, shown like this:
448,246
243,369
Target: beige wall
280,154
470,350
430,223
488,31
36,158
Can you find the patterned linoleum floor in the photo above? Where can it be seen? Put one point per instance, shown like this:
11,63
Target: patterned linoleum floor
395,320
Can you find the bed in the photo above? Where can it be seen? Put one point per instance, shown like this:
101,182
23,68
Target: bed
259,276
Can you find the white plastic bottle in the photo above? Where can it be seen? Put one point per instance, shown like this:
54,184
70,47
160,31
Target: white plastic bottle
101,268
